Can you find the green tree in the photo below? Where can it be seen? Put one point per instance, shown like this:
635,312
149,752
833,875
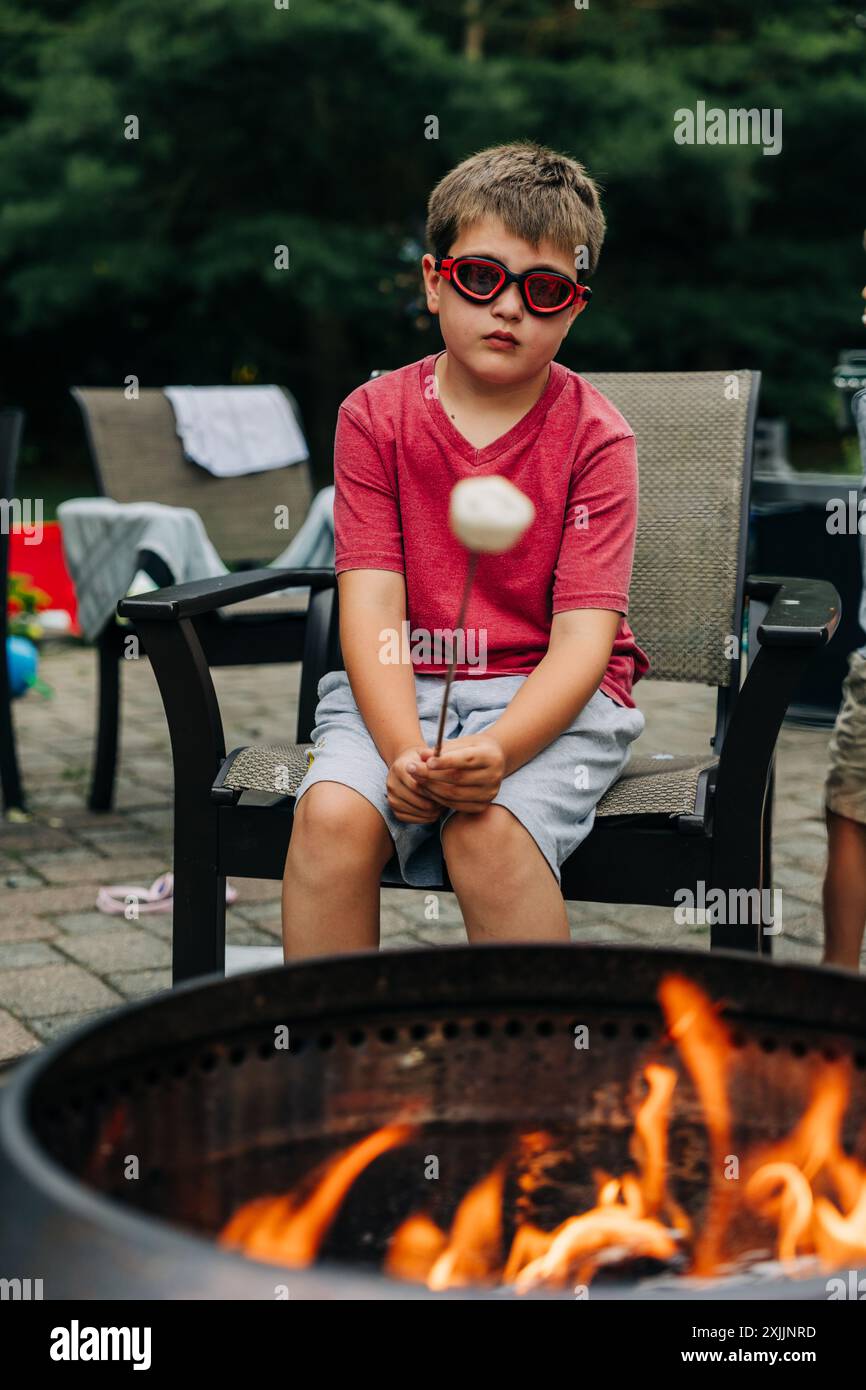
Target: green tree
308,128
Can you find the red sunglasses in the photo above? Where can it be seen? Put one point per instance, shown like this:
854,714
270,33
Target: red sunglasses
480,280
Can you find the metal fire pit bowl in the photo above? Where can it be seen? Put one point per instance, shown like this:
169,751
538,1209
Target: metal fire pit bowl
126,1146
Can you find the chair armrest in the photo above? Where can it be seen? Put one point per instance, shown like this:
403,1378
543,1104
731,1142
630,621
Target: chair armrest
802,612
206,595
802,617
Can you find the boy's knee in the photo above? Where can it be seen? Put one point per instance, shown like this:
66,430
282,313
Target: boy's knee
332,818
491,830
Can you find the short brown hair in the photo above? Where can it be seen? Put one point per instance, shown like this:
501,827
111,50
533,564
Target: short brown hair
535,192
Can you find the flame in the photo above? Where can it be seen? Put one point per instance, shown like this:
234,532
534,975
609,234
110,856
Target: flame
804,1187
704,1044
625,1211
794,1183
280,1230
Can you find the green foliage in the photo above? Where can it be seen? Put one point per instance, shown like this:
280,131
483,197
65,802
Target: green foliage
305,127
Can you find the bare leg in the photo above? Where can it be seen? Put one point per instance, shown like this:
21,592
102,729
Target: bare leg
844,891
340,844
502,880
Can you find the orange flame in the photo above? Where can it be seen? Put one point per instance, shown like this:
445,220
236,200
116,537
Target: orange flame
806,1187
280,1230
797,1180
470,1254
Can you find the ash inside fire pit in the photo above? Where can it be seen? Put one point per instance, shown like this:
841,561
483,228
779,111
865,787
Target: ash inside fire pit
513,1118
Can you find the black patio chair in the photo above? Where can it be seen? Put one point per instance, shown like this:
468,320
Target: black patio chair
664,825
137,457
11,426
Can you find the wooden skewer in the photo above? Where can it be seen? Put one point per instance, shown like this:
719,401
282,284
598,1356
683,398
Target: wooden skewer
470,575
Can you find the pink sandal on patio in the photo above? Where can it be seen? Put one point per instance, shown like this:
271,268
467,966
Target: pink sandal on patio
159,897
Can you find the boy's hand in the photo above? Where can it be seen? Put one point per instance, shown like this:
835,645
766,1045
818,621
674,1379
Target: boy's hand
405,797
467,774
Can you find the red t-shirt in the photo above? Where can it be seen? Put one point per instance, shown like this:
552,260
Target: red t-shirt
398,455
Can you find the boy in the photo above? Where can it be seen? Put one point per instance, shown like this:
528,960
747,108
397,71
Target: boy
844,894
540,715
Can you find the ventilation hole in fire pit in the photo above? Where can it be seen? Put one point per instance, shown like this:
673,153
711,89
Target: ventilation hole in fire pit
641,1031
481,1028
207,1061
237,1056
388,1034
451,1030
124,1086
152,1076
325,1041
830,1053
513,1028
769,1044
860,1061
419,1031
544,1028
180,1070
265,1048
357,1037
610,1030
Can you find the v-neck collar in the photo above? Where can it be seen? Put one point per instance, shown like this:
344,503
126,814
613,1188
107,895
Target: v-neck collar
523,427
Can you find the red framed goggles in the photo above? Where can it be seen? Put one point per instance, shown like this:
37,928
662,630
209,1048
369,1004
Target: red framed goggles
481,280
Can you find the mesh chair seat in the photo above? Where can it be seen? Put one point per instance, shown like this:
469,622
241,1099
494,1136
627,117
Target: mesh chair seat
651,785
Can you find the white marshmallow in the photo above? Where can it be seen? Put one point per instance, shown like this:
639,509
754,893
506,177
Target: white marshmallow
489,514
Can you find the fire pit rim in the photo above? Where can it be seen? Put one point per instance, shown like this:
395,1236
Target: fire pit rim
328,1279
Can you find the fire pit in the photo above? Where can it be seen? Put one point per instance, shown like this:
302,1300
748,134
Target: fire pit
486,1122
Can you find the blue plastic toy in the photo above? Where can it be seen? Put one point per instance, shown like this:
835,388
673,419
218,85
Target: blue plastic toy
22,661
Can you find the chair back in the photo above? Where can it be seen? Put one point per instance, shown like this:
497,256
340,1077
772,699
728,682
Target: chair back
694,434
138,457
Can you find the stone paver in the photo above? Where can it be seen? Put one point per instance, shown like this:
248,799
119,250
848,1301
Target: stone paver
14,955
55,1025
15,1039
62,961
137,984
122,948
53,989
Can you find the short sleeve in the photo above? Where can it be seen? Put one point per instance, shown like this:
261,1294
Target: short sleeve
367,529
596,553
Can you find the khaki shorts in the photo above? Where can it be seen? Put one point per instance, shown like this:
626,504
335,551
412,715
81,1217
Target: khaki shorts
845,788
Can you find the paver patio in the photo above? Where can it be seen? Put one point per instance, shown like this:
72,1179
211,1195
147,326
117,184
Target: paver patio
62,961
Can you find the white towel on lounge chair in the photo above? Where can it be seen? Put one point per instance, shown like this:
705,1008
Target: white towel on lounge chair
102,540
232,430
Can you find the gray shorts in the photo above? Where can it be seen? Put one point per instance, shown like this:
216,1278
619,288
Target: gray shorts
554,795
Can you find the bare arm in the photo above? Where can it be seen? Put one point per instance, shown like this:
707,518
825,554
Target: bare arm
470,770
551,697
371,601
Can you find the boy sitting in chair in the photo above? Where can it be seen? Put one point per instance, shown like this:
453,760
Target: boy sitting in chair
540,715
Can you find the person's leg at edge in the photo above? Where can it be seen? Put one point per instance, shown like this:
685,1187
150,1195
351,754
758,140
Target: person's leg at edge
503,882
844,891
339,846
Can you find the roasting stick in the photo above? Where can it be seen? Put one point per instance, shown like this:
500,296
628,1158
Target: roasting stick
489,515
470,575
